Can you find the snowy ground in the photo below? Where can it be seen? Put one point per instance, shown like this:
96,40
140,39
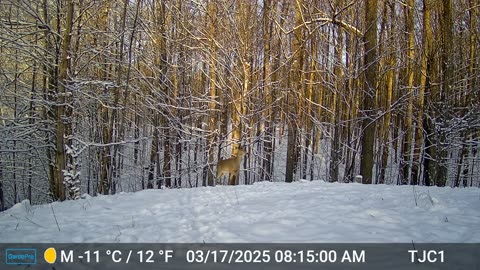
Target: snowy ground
264,212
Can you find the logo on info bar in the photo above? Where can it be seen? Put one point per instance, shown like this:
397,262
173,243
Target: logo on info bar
20,256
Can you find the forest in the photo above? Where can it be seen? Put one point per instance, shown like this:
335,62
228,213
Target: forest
102,97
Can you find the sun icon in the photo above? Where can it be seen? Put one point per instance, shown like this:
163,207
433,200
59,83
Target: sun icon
50,255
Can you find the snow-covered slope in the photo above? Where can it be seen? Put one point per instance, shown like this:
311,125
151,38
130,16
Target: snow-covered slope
265,212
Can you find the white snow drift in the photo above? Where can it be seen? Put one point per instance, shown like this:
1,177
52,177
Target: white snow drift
265,212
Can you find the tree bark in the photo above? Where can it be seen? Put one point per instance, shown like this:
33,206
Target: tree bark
63,121
293,94
424,85
369,86
212,74
408,139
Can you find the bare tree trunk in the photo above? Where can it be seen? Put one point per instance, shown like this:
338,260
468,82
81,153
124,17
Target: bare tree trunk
105,153
424,84
267,92
472,82
293,94
388,84
48,85
335,150
153,155
63,123
369,86
212,119
311,127
447,88
408,139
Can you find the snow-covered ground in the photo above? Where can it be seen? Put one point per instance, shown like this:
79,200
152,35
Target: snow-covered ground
265,212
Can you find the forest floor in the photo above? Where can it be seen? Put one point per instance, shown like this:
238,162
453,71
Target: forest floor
264,212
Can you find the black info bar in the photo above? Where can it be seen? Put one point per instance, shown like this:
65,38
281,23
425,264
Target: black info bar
276,256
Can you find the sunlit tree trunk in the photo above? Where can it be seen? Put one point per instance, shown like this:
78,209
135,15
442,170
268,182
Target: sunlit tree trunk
267,92
424,84
292,96
408,139
311,115
212,73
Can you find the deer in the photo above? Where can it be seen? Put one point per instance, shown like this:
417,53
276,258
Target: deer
231,165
